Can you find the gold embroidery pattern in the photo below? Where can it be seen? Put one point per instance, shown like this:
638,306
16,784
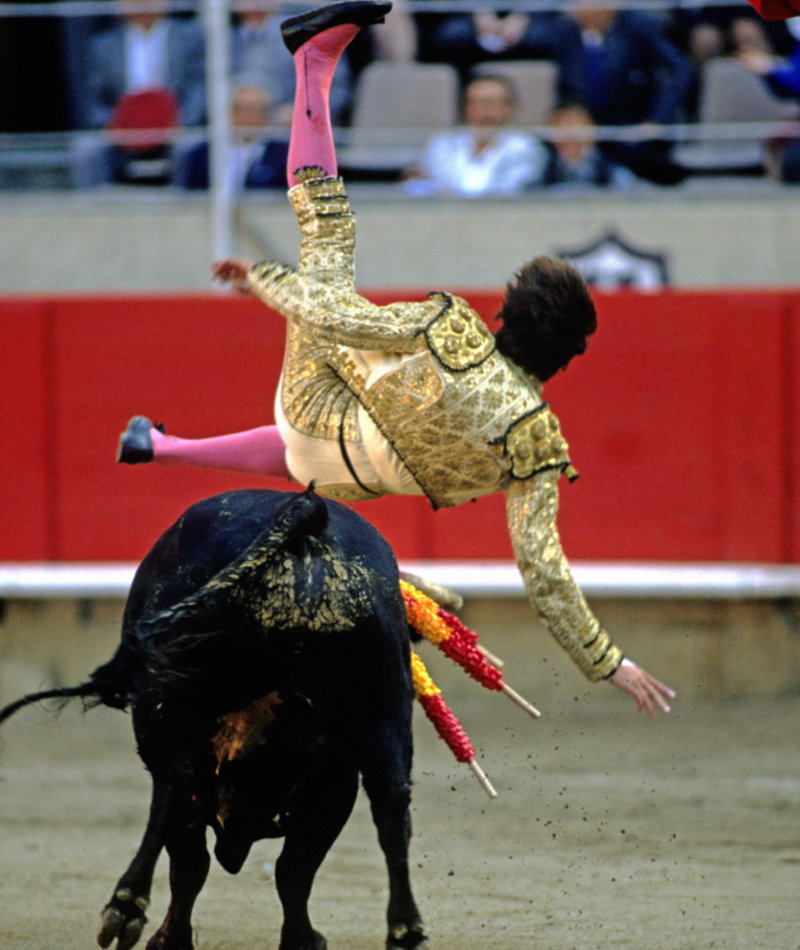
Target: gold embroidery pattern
469,421
312,396
322,291
534,443
457,337
441,424
327,228
531,508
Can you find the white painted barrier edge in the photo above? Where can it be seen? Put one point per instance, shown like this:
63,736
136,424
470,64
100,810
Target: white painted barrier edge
471,579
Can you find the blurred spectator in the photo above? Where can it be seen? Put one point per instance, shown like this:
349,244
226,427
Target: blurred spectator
631,74
466,39
256,161
576,159
258,48
76,37
483,156
139,52
783,78
144,51
708,32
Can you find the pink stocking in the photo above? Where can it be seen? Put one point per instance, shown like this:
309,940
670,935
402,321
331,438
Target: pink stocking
255,452
311,141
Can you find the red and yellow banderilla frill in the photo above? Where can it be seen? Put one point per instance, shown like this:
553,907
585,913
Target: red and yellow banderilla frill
458,642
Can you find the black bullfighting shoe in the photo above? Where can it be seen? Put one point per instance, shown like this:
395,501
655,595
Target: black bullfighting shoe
135,443
301,28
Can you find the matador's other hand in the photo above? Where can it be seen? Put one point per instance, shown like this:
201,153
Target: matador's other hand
645,689
232,270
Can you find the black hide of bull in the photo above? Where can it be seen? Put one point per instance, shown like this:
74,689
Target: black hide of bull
265,659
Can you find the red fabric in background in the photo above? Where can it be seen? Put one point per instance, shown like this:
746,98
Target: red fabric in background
28,484
776,9
682,419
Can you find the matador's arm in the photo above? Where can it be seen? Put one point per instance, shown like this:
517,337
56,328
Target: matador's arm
348,318
531,507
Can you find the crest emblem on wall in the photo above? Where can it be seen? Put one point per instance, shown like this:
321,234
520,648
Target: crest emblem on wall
611,263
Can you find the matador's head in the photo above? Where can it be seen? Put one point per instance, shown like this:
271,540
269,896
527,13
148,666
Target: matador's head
548,317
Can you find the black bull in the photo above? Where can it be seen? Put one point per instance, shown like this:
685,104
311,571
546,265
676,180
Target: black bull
265,659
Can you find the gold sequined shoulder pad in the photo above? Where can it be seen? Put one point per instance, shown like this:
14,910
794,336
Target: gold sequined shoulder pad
533,444
457,336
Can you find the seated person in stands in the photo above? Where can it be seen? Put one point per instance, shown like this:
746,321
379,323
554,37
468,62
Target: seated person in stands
483,156
782,76
141,51
576,158
466,39
631,74
256,161
706,33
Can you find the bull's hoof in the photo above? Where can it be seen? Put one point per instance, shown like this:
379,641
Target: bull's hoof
311,941
406,936
170,939
122,920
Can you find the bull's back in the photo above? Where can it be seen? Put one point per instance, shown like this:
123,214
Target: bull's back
266,589
214,532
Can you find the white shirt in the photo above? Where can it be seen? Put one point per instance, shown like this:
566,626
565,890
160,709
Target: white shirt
510,162
146,56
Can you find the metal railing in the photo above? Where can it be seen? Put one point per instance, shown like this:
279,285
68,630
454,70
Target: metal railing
216,19
709,581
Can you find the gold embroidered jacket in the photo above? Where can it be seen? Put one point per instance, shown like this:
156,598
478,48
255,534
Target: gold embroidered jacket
464,420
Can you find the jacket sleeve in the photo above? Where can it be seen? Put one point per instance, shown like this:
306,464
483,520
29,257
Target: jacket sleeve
531,507
344,316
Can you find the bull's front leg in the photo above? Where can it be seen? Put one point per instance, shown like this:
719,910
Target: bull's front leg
124,917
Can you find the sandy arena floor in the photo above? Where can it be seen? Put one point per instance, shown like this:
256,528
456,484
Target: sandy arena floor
610,831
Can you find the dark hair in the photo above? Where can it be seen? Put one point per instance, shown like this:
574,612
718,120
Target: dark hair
547,316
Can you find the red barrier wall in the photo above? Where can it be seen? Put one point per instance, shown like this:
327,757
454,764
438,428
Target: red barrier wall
682,418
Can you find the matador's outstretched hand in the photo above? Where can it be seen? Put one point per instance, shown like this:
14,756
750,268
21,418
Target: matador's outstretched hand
648,692
233,270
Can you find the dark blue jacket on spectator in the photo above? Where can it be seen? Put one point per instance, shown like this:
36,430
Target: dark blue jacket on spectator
637,75
268,171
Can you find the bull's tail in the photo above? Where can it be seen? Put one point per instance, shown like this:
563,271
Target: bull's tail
304,515
174,643
159,643
86,691
108,685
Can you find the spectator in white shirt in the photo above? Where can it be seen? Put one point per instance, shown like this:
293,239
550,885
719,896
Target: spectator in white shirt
484,156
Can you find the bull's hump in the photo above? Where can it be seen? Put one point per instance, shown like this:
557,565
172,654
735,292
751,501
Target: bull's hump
319,591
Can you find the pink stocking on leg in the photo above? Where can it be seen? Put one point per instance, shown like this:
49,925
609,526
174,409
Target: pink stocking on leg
311,141
255,452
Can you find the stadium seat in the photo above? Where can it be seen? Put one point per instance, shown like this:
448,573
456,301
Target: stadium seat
397,106
731,94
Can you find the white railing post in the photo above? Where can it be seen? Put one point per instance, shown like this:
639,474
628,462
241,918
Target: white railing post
216,20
